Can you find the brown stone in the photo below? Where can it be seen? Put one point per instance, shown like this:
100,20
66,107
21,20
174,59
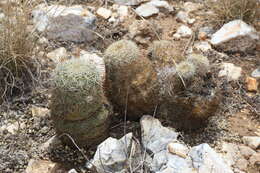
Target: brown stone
255,159
242,164
251,84
247,152
202,36
40,166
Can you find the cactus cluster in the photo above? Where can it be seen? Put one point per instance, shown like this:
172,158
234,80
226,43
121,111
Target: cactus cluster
78,99
131,79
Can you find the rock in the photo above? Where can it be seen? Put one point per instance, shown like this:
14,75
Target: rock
209,31
178,149
191,7
205,160
58,55
202,46
183,17
235,36
72,171
230,71
146,10
128,2
183,31
166,162
246,151
252,141
161,4
51,143
112,154
256,73
122,11
230,153
12,128
103,12
69,28
155,137
40,166
202,36
251,84
43,14
255,159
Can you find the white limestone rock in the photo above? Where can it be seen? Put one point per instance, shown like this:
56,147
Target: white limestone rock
183,32
235,36
252,141
230,71
155,137
104,13
146,10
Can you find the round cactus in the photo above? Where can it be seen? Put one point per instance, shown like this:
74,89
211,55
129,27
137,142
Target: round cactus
78,89
164,52
131,79
188,92
77,103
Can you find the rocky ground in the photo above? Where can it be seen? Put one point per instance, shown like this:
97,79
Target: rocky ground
27,138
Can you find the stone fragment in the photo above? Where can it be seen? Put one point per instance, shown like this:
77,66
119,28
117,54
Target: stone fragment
155,137
230,71
104,13
72,171
58,55
205,160
202,36
112,154
146,10
40,166
251,84
183,31
202,46
256,73
128,2
178,149
161,4
122,10
252,141
235,36
51,143
242,164
183,17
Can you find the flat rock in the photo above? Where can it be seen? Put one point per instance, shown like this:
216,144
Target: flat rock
161,4
230,71
252,141
42,14
155,137
235,36
128,2
146,10
205,160
183,17
178,149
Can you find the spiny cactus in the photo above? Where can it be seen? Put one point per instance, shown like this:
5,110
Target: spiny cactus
189,94
164,53
131,79
200,62
78,97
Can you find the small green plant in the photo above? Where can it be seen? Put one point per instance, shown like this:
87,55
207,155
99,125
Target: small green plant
18,62
228,10
78,100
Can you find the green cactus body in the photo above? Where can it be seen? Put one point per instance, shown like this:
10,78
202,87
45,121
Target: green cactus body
131,79
77,103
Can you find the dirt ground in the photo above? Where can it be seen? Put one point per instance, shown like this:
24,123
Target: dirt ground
238,116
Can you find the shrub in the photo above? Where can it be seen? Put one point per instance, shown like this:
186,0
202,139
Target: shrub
18,63
228,10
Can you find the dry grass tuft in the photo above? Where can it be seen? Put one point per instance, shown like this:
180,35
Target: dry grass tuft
18,63
228,10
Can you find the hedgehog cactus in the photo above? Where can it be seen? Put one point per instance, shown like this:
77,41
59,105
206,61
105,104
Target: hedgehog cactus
165,53
131,79
78,99
189,94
